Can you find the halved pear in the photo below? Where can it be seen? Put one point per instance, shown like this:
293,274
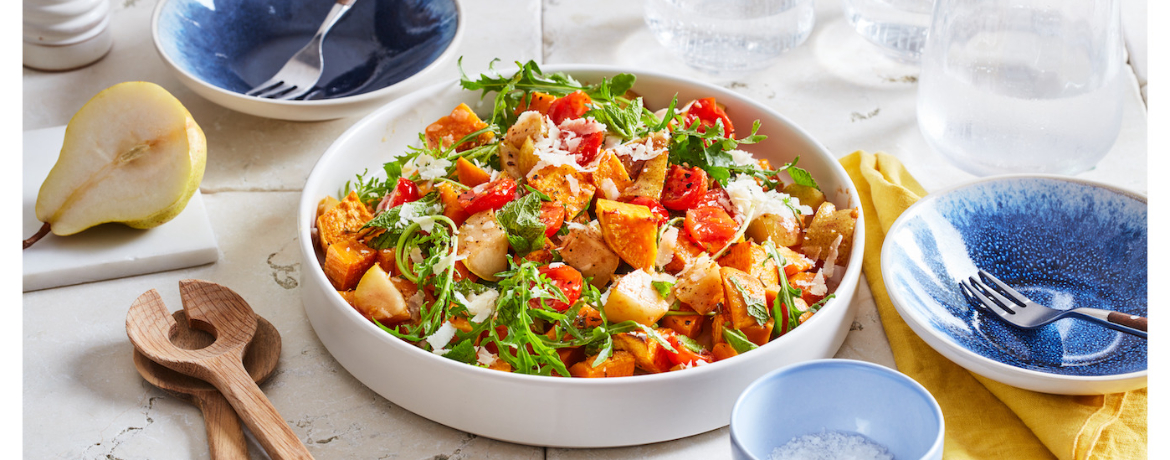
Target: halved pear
133,154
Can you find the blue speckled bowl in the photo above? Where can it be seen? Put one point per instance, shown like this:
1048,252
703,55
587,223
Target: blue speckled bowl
1060,241
222,48
839,395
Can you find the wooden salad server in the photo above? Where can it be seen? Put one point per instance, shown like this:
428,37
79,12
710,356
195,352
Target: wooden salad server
225,435
224,314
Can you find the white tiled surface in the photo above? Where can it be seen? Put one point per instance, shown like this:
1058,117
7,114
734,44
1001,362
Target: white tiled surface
82,397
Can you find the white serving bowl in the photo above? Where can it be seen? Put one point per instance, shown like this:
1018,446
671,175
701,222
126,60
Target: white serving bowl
551,411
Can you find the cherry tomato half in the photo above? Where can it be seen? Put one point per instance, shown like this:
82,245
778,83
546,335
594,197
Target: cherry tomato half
589,147
489,195
572,105
707,112
552,215
684,355
710,226
684,188
405,191
717,197
655,207
565,278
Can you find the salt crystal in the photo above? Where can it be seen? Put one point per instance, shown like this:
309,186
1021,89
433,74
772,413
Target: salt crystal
831,445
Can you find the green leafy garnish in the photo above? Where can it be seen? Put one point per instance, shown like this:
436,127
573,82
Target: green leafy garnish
755,305
787,293
737,340
709,150
392,221
663,288
520,219
689,343
463,352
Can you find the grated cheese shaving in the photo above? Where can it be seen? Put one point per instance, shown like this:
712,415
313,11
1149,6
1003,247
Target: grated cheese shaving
430,168
481,305
611,191
666,247
484,357
441,338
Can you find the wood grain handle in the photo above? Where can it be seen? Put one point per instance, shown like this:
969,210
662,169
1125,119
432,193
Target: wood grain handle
1134,321
255,410
225,435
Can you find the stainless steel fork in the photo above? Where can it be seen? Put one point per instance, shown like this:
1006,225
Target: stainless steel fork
998,298
299,75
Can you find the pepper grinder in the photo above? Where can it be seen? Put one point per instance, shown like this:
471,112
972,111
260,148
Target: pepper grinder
65,34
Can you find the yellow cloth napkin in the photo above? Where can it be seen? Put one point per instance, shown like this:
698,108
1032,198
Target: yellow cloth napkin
984,418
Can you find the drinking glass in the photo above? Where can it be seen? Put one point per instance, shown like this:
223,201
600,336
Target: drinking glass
1014,86
730,38
897,27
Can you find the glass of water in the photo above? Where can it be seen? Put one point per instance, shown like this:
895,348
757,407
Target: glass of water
730,38
897,27
1015,86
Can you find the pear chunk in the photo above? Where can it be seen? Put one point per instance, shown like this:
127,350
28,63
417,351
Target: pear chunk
132,154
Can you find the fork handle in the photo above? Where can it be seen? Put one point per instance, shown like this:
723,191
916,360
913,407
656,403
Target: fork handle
1130,324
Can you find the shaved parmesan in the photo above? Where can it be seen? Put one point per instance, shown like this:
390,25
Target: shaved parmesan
430,168
441,338
666,247
611,191
484,357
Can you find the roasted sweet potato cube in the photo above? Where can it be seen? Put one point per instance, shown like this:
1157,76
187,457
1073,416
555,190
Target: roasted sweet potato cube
346,261
812,287
449,196
631,230
718,322
723,350
469,174
782,230
500,365
565,185
585,250
758,334
686,251
343,221
742,292
649,355
621,364
571,355
688,325
751,258
588,317
449,129
650,179
828,223
795,261
347,296
610,168
537,101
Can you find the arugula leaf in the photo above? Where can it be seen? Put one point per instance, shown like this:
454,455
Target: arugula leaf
538,193
463,352
690,343
663,288
737,340
392,221
755,305
520,219
626,121
787,293
709,150
526,351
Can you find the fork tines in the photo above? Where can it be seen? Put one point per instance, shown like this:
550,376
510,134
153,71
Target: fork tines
999,294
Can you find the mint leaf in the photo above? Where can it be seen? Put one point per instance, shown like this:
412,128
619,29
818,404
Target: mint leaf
737,340
690,343
802,177
520,219
463,352
663,287
755,305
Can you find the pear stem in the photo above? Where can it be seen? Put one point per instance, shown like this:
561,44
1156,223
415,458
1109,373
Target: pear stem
40,233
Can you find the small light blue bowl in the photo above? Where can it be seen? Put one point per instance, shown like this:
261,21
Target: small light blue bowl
223,48
1060,241
837,395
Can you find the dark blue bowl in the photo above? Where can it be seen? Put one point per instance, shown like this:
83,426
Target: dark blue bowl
1062,242
237,44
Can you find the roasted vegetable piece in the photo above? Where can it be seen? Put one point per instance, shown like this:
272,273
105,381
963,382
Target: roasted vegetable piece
451,207
377,298
759,334
782,230
484,244
649,355
744,298
570,106
783,326
751,258
795,262
451,128
537,101
621,364
828,223
685,355
630,230
812,286
656,209
469,174
688,325
707,112
346,261
808,196
552,215
406,191
588,317
686,250
633,298
565,185
700,286
610,168
342,221
488,196
723,350
711,227
529,127
684,188
565,278
586,251
650,179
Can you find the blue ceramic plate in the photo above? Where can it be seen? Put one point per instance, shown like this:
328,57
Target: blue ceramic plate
1060,241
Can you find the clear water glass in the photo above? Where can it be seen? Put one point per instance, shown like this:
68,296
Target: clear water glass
730,38
1022,86
897,27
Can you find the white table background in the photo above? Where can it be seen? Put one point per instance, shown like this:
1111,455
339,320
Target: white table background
82,398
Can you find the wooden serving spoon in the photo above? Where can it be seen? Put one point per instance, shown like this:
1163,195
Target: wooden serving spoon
225,435
221,312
